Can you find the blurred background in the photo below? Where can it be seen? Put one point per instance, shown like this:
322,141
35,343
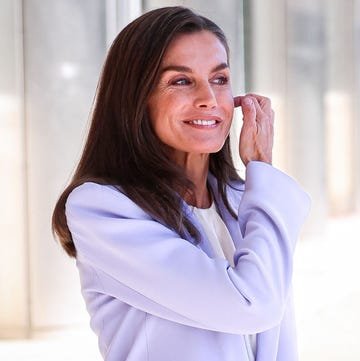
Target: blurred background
304,55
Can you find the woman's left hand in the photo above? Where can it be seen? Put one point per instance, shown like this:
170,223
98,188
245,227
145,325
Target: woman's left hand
257,132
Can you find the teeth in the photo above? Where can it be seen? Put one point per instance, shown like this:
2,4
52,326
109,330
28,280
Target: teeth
202,122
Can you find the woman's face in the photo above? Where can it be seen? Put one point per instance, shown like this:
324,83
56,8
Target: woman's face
192,106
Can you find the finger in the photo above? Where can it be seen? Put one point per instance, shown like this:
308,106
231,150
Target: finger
265,103
272,117
248,109
262,115
257,106
238,100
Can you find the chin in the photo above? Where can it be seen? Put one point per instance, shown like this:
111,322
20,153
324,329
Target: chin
208,149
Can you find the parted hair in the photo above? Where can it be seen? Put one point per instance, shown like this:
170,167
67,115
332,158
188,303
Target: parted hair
121,147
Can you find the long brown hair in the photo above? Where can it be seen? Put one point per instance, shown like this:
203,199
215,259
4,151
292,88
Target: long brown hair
121,147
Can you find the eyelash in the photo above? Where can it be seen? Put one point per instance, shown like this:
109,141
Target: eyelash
220,80
183,82
223,80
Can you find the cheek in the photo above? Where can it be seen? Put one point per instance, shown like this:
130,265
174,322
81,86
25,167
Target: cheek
228,108
159,111
226,99
162,104
153,111
228,105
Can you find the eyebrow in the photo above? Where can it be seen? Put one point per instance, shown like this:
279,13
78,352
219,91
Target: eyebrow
186,69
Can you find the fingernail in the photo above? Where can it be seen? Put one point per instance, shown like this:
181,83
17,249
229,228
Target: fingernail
247,102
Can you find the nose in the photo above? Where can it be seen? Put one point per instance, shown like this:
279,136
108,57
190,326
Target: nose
205,96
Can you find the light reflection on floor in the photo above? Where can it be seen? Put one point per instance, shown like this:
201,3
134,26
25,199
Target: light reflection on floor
327,295
78,344
327,292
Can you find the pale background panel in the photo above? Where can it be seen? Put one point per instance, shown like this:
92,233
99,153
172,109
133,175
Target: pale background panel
14,280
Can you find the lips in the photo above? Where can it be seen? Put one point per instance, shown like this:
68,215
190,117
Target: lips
200,122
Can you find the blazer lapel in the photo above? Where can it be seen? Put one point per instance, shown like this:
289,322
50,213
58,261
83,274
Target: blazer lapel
204,244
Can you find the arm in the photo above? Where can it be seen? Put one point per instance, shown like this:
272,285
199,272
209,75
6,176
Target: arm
146,264
287,348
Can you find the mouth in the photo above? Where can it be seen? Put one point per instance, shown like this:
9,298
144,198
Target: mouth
203,123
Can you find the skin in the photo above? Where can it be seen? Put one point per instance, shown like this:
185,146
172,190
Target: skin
195,84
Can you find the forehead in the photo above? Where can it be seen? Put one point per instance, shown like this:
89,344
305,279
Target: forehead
201,46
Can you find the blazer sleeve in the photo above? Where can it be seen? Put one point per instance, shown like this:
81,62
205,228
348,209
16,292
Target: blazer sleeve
149,266
288,347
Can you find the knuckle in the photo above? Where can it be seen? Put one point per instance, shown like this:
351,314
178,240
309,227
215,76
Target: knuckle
265,118
267,102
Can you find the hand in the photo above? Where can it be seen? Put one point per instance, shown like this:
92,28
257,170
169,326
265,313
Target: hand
257,132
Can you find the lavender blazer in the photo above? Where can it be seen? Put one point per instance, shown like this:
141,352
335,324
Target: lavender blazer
153,296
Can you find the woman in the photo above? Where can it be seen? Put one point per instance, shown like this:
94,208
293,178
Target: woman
179,259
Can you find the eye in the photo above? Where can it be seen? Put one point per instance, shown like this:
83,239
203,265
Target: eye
181,81
220,80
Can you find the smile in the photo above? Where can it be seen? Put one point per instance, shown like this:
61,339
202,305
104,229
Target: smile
203,122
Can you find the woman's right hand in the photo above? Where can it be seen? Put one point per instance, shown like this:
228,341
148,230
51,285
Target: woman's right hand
257,132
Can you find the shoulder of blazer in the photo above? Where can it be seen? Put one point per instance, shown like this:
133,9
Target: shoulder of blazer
105,198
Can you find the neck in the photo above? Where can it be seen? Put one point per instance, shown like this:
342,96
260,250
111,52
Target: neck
196,167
